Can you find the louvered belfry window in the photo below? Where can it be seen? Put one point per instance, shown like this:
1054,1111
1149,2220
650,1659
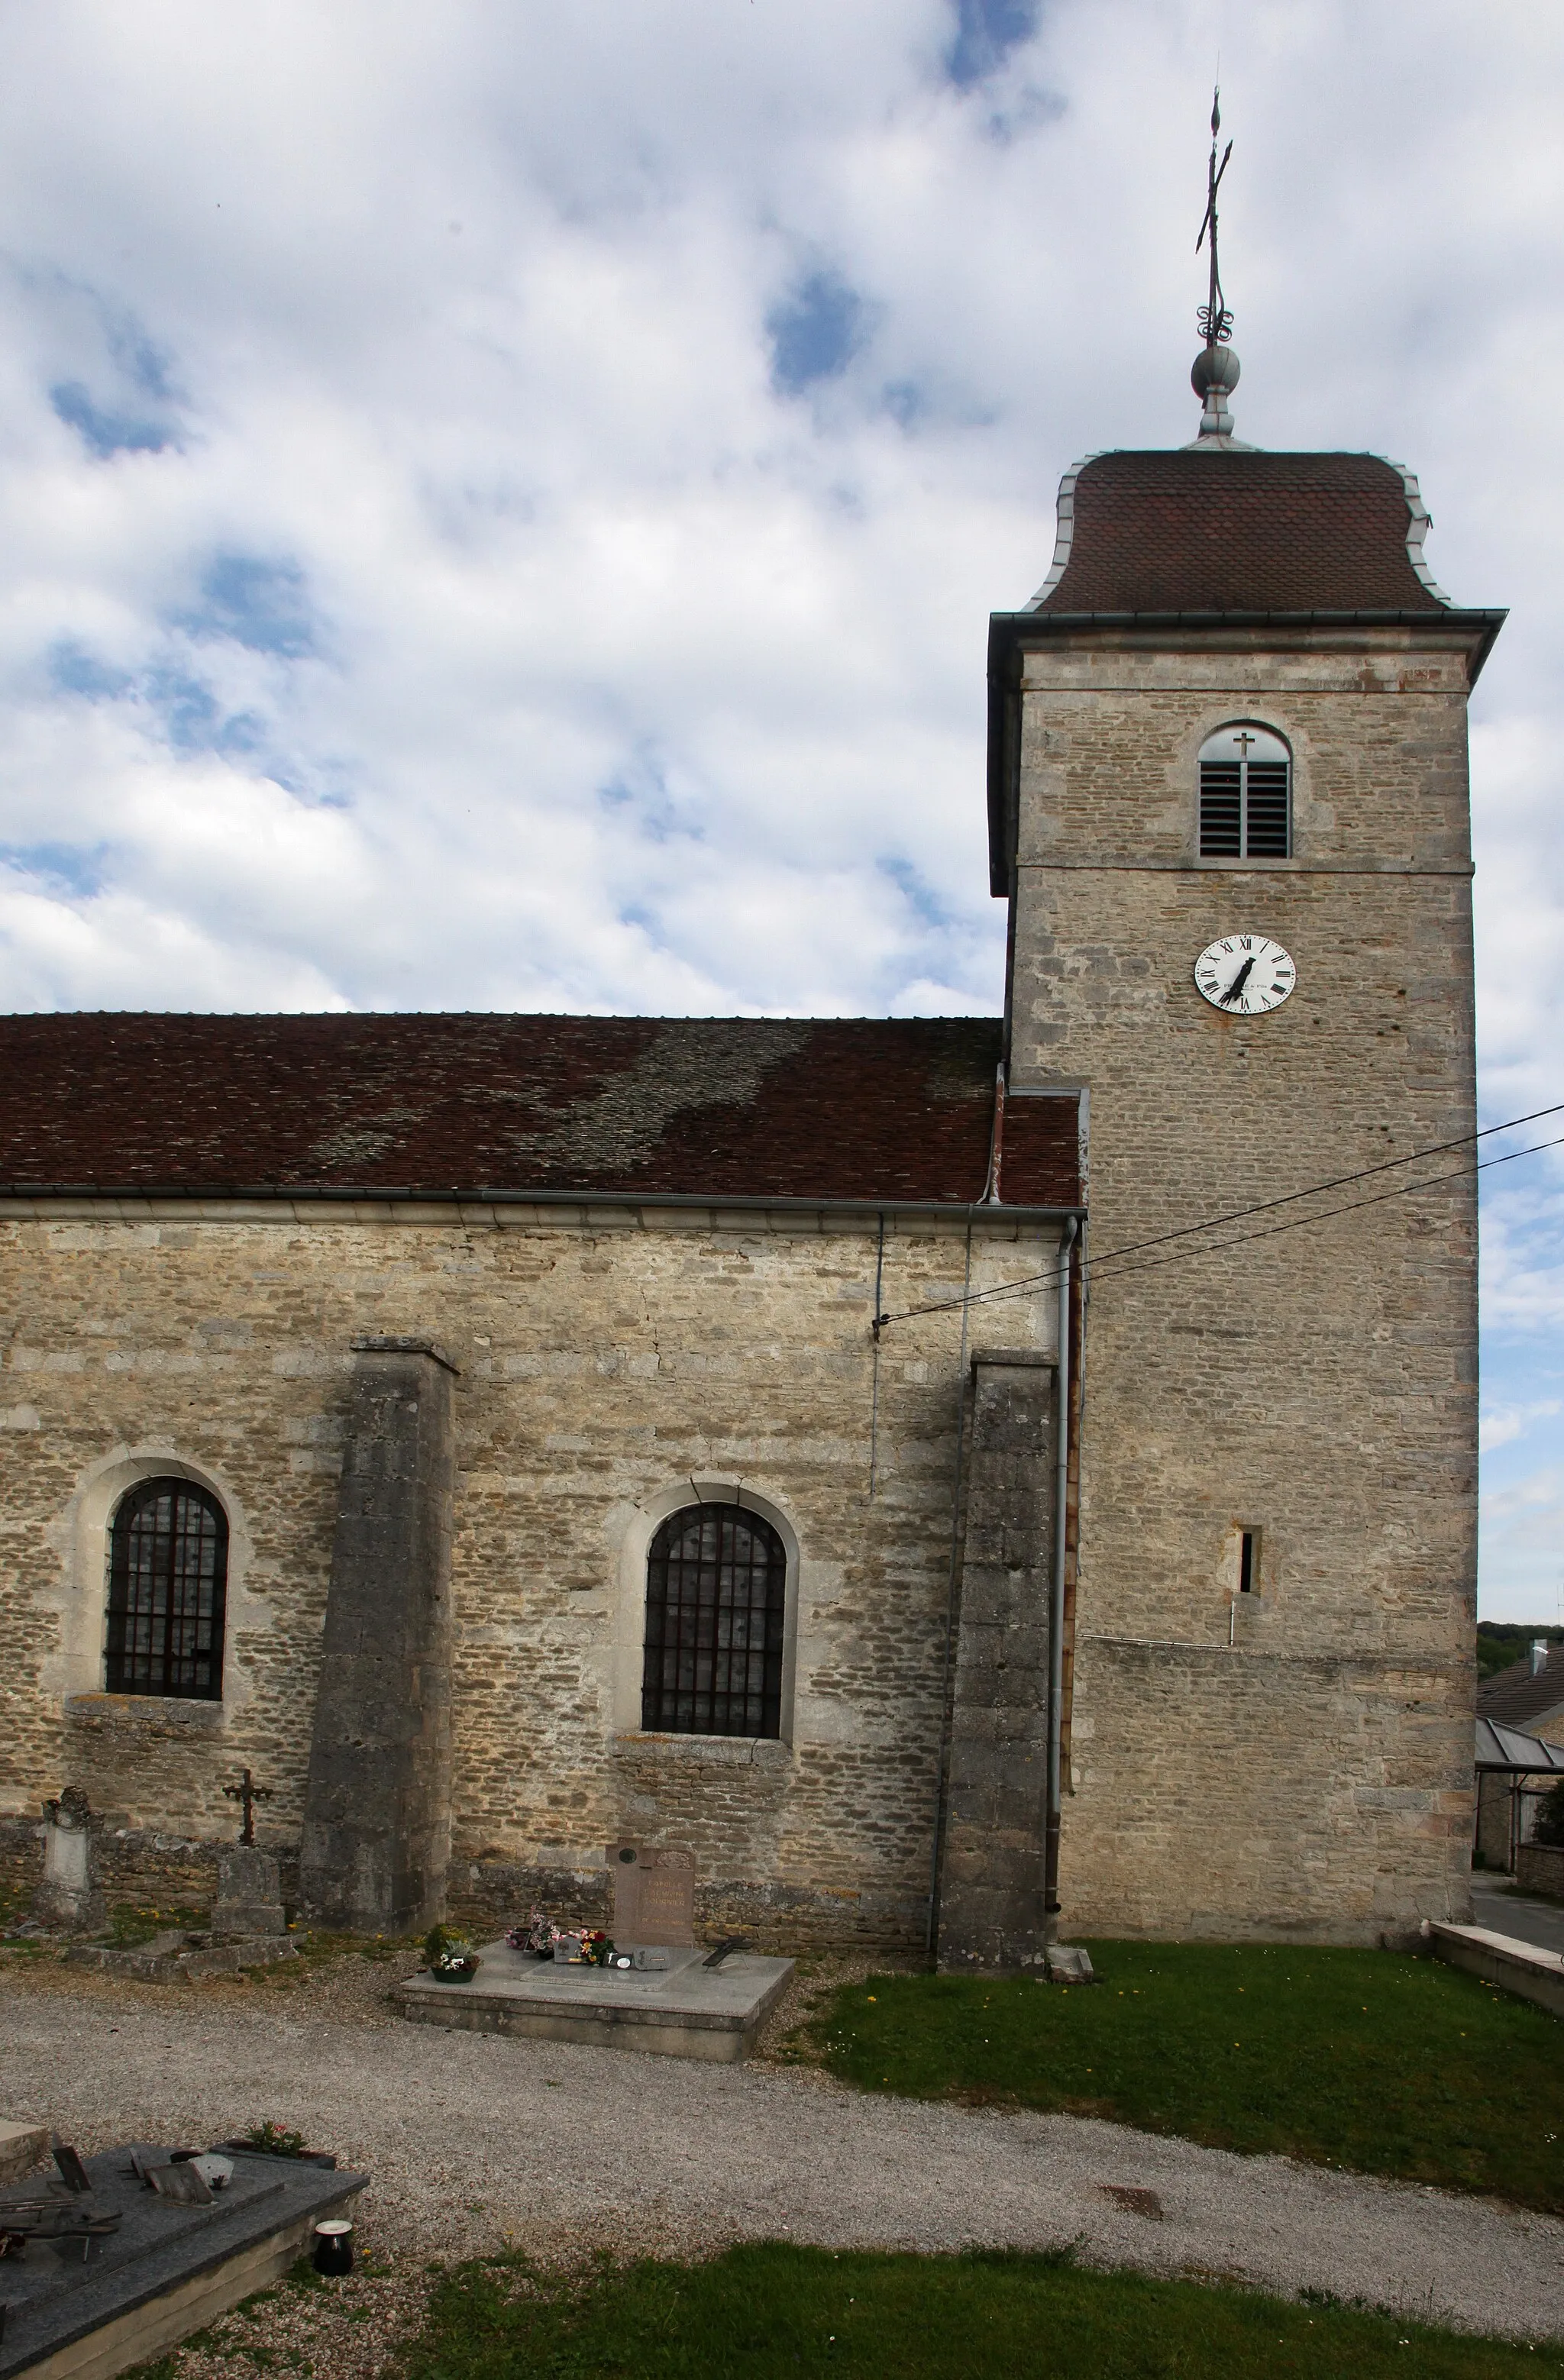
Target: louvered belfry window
168,1580
1246,795
716,1604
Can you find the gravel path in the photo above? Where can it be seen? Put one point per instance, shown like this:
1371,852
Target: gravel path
475,2142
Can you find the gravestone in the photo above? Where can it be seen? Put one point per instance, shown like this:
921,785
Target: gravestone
653,1896
69,1896
249,1895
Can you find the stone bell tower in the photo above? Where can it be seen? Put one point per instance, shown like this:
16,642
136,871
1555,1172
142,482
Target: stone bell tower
1228,801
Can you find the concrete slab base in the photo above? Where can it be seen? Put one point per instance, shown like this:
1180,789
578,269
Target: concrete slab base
181,1957
687,2009
166,2272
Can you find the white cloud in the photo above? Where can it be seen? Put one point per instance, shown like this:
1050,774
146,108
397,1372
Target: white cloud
420,585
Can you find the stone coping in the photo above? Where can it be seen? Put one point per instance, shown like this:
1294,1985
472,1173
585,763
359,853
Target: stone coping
104,2305
1522,1968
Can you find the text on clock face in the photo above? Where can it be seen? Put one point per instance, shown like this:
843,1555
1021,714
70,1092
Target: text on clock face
1244,974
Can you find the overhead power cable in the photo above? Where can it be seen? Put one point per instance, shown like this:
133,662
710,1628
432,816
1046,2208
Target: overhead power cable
1116,1258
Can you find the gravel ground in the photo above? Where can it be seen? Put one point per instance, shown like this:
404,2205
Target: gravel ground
475,2144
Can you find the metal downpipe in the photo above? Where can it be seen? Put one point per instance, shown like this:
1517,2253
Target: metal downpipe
1056,1584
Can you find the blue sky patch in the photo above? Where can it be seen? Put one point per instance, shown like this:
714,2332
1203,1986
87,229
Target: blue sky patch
986,31
915,891
815,332
75,868
105,430
260,604
73,670
193,719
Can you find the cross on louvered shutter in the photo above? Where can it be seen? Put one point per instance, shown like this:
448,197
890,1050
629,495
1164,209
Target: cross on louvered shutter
1245,788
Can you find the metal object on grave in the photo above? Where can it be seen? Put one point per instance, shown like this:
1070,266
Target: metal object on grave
72,2172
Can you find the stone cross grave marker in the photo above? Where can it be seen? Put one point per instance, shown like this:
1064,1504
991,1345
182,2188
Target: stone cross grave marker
653,1896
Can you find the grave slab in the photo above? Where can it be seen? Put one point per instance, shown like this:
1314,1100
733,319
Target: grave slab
80,2310
685,2009
181,1957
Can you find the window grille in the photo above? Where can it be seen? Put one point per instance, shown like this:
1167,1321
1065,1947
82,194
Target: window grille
1246,787
716,1602
168,1579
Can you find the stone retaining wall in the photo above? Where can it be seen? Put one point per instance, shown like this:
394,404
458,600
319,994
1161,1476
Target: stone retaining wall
1540,1868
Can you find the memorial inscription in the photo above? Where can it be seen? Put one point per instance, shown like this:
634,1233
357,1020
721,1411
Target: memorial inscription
653,1896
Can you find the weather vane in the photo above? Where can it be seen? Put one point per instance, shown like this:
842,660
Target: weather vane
1216,322
1215,375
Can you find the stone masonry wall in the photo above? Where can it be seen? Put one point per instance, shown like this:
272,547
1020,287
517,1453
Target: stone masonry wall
606,1363
1316,1385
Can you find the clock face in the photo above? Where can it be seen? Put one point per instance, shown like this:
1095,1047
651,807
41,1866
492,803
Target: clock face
1244,974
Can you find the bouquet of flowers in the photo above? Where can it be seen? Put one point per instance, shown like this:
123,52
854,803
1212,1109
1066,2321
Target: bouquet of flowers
538,1936
451,1957
596,1947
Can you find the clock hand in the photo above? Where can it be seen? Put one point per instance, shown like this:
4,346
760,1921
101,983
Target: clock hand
1235,988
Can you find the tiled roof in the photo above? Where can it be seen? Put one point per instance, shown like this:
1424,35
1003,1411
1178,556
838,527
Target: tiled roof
720,1108
1225,532
1515,1698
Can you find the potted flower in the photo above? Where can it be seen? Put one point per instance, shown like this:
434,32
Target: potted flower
451,1957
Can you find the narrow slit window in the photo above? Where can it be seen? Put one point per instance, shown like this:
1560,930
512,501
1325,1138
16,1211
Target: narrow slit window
1245,795
1249,1562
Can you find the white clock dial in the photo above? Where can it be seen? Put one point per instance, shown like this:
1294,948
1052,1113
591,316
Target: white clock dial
1244,974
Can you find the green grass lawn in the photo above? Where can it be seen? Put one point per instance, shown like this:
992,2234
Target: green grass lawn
783,2311
1362,2058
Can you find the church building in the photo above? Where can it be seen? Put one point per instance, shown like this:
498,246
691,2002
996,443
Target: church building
959,1482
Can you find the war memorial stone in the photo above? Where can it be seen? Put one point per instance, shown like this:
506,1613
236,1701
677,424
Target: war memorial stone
653,1897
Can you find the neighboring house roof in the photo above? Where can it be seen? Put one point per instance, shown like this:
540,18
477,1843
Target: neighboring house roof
722,1108
1511,1749
1195,532
1516,1698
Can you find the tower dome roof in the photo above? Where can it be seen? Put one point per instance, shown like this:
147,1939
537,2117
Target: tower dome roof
1235,529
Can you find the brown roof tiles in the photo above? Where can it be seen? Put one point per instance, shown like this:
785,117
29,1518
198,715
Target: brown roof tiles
717,1108
1224,531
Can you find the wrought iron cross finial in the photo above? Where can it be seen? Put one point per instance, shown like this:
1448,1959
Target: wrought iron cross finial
1215,320
249,1793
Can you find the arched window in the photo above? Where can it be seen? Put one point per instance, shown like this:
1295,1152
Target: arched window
168,1580
1245,809
716,1603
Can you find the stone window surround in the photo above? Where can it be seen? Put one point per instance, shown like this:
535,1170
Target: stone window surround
1287,858
76,1671
629,1645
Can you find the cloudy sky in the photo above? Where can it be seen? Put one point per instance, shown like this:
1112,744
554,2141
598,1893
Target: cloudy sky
500,503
